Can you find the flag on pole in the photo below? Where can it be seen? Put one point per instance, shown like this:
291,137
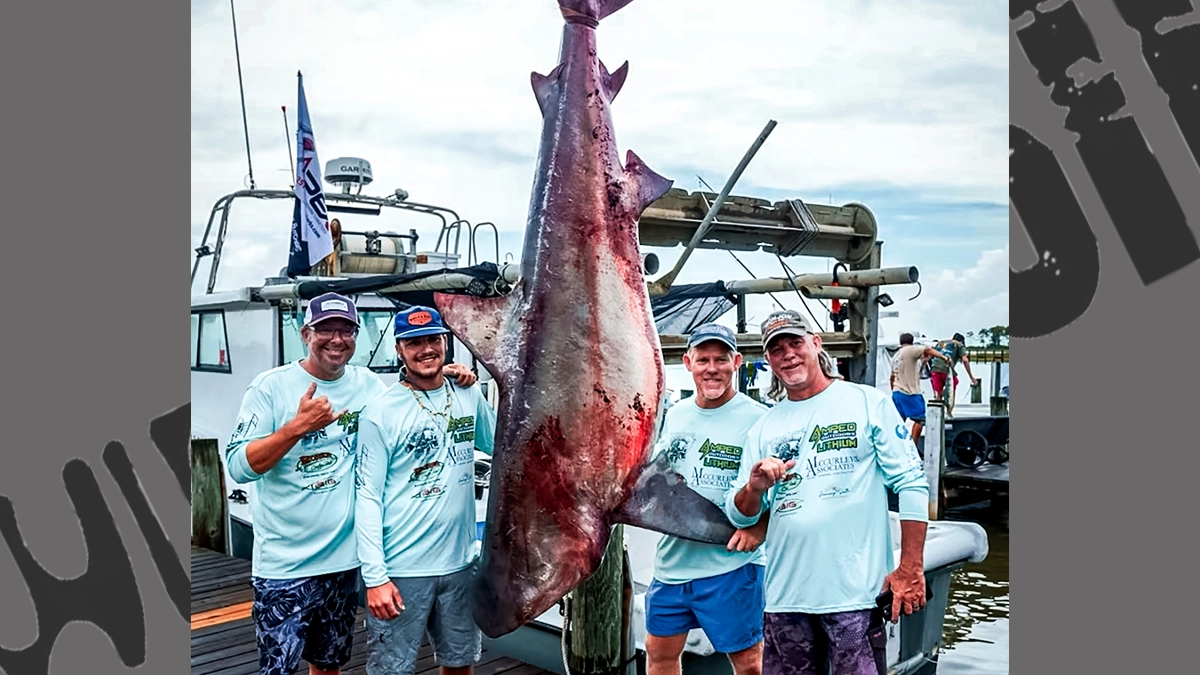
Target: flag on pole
311,240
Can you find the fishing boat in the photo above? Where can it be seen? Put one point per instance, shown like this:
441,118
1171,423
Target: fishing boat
241,331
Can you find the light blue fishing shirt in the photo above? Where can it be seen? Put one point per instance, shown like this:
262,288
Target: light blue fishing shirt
829,540
303,510
415,513
705,446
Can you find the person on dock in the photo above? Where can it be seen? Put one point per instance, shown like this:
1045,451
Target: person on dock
415,512
698,585
906,381
818,462
295,440
955,351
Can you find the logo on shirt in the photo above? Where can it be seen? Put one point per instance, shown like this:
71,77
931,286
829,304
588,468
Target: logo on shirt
711,480
323,485
460,456
424,444
719,456
426,473
789,484
834,437
358,459
317,462
465,479
314,437
901,431
348,422
677,449
834,493
462,429
245,426
788,448
787,506
431,492
830,466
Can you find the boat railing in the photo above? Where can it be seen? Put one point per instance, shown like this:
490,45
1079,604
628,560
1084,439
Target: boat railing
450,234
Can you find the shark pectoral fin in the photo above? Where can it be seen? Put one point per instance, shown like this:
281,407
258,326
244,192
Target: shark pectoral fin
662,501
613,81
482,324
545,87
647,184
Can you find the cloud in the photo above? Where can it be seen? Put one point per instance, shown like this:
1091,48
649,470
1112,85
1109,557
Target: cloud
957,300
901,105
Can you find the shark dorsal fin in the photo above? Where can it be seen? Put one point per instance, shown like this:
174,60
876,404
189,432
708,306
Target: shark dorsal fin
613,81
546,87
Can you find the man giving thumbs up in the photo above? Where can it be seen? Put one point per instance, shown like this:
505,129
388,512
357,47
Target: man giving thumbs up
295,438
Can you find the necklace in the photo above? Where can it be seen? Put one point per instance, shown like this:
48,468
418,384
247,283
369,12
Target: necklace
444,413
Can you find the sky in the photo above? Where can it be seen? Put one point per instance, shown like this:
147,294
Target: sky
901,105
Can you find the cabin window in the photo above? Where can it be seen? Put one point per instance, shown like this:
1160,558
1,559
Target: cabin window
210,342
375,347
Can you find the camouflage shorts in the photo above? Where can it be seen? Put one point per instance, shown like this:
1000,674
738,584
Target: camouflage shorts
851,643
310,618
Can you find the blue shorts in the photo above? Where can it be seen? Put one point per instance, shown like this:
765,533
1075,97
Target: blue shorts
728,607
310,618
911,406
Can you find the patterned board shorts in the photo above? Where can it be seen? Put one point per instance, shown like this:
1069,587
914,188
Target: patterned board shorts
310,618
852,643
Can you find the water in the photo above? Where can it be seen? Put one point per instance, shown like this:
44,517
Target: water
975,634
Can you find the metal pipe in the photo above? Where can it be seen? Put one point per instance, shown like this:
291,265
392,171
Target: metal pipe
510,273
859,278
663,284
830,292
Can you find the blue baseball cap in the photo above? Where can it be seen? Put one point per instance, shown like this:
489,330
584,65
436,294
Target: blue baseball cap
330,306
713,331
417,322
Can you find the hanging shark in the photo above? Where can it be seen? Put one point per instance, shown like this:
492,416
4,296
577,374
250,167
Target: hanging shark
576,356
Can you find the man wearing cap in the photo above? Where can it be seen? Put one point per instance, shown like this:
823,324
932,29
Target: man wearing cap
697,585
906,381
415,512
818,462
295,439
955,351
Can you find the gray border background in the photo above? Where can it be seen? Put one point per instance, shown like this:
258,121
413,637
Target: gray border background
94,336
1104,418
96,101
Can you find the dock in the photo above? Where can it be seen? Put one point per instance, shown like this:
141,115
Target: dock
223,629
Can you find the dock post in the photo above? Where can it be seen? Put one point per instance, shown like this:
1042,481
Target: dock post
599,640
935,443
210,512
998,405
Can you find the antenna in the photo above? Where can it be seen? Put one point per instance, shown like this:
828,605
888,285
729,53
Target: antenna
241,89
287,138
